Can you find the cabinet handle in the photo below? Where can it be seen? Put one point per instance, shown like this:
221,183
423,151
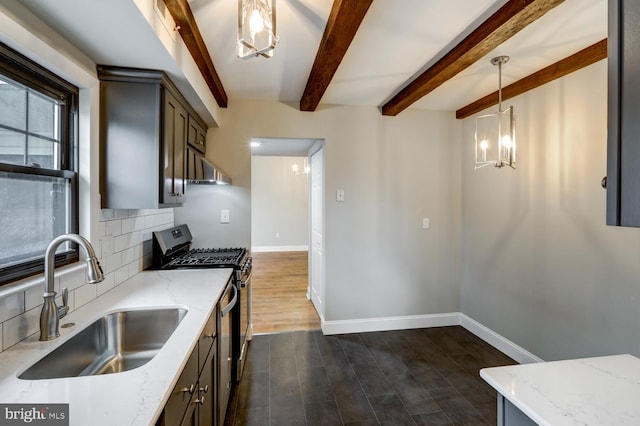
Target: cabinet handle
209,336
205,389
603,182
199,400
190,389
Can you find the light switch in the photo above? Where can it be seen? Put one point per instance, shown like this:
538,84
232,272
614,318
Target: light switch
340,195
224,216
425,223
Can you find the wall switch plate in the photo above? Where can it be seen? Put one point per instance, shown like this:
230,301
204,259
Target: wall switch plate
224,216
340,195
425,223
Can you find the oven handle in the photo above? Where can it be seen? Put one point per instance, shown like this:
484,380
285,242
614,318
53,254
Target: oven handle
231,304
243,283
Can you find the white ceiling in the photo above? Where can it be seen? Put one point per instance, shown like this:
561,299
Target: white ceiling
290,147
397,39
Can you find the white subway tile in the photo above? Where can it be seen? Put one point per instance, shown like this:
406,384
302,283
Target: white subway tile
106,285
135,267
106,214
139,224
101,228
128,225
114,227
107,246
20,327
33,297
134,213
128,255
121,275
121,243
121,214
11,305
73,279
111,263
85,294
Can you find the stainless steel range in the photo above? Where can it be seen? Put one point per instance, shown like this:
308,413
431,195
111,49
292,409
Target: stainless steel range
172,250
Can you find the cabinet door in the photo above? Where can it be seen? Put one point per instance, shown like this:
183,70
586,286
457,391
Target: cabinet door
207,391
184,393
174,146
196,135
623,149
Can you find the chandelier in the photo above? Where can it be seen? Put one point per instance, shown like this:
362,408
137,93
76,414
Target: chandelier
496,133
256,28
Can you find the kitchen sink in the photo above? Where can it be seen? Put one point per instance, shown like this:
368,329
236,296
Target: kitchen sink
119,341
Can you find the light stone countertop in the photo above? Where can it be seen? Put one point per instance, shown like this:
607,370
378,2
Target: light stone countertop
588,391
134,397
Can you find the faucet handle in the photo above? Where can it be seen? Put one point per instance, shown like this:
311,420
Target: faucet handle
64,309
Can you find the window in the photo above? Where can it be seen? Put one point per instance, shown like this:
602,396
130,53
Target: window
38,158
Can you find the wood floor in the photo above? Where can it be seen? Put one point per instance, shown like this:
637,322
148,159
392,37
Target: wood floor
279,293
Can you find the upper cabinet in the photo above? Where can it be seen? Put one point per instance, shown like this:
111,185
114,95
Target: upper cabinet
145,126
623,148
196,135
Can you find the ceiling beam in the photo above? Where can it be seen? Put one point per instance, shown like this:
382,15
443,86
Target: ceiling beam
581,59
343,23
190,33
502,25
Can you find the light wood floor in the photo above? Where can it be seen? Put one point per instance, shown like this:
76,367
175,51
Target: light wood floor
279,293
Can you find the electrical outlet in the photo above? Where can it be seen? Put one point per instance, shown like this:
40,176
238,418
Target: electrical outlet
340,195
224,216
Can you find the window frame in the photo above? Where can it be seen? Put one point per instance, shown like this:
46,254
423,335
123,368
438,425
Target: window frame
30,74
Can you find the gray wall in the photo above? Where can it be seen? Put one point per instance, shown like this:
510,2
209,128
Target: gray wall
202,213
539,265
395,171
279,203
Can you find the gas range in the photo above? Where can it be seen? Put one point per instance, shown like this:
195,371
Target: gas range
172,250
209,258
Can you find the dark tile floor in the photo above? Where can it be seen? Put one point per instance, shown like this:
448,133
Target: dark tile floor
409,377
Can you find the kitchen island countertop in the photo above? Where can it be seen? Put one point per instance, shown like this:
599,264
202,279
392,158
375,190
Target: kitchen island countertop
134,397
589,391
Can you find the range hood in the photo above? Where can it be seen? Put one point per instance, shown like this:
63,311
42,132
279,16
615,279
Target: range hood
201,171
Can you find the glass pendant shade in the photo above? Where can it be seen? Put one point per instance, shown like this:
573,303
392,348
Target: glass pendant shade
496,139
256,28
496,133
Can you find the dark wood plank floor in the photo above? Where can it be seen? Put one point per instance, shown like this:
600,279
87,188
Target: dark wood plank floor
279,293
409,377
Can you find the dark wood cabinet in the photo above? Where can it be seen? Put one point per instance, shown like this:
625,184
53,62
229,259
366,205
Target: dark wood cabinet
145,125
193,400
623,147
197,135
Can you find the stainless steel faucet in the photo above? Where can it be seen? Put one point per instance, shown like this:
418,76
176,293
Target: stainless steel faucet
50,315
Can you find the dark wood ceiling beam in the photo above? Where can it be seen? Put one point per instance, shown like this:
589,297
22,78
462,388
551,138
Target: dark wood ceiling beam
590,55
502,25
343,23
190,33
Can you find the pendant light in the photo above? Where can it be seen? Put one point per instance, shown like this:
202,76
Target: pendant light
256,28
496,133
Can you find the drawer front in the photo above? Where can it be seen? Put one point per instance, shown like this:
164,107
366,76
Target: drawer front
207,338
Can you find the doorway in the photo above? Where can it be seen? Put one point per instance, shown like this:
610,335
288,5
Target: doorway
286,234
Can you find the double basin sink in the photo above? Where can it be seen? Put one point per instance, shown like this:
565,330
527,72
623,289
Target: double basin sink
117,342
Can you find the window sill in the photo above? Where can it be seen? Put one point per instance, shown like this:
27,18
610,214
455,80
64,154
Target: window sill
38,280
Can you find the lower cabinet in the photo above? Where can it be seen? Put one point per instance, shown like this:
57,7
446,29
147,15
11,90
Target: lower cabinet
193,400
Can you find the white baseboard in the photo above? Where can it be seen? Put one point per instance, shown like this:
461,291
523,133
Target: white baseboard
265,249
499,342
390,323
364,325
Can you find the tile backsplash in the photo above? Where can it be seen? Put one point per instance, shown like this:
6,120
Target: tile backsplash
122,243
